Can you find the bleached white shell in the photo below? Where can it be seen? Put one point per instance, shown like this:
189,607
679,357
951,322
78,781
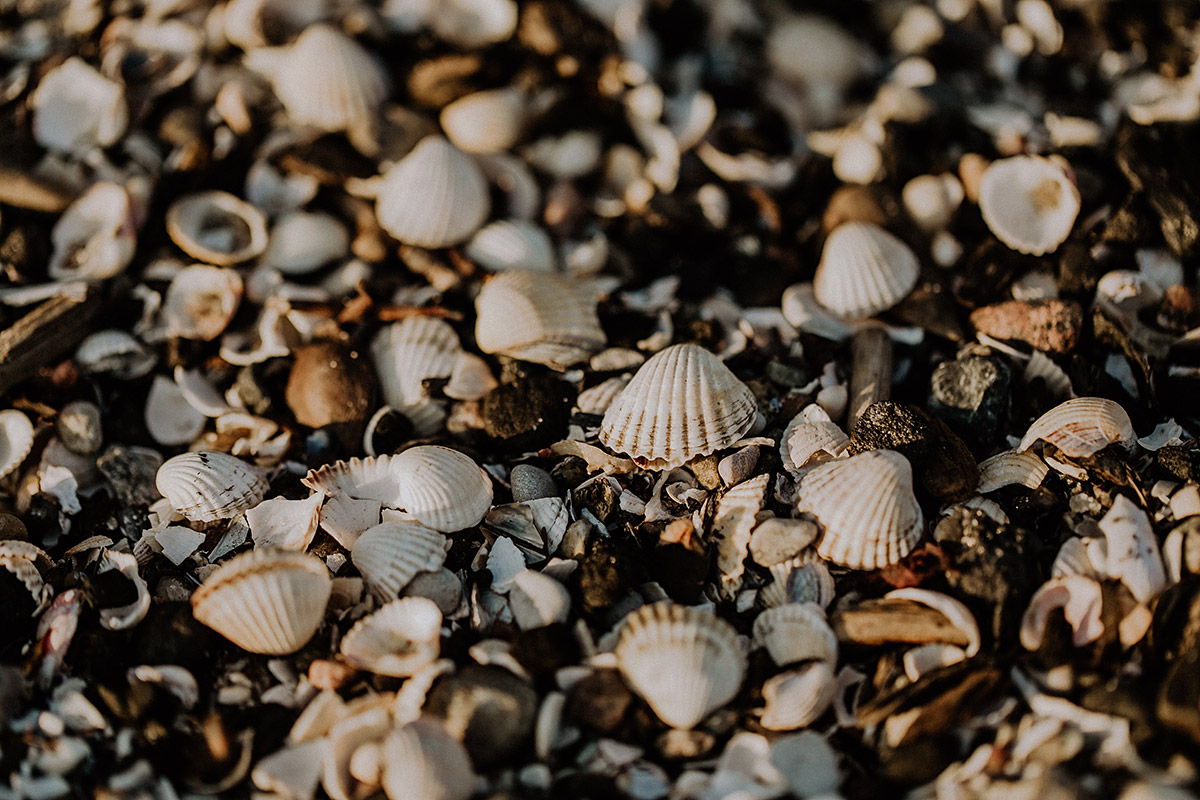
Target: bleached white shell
512,244
442,488
391,554
1081,427
803,579
96,236
16,439
796,632
798,697
217,228
369,478
806,442
364,724
1080,599
201,300
470,379
864,270
76,108
931,200
1012,467
169,417
867,507
1133,553
285,524
265,601
685,663
409,352
810,49
435,196
682,403
207,486
1056,380
485,122
732,524
598,398
117,352
537,316
302,241
346,518
398,640
422,760
1029,203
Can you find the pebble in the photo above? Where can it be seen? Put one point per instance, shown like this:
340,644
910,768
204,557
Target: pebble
489,709
971,395
737,466
332,384
442,587
942,464
1051,326
531,483
599,700
527,414
131,471
779,539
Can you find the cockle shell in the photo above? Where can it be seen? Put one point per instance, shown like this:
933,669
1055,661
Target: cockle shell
422,760
303,241
867,507
798,697
442,488
265,601
369,478
398,640
682,403
1081,427
207,486
864,270
796,632
391,554
409,352
733,522
684,662
486,122
436,196
537,316
96,236
512,244
217,228
1012,467
16,439
1029,203
201,300
20,560
597,399
76,108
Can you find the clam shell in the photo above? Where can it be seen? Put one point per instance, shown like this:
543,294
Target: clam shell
864,270
391,554
16,440
1029,203
370,478
217,228
867,507
598,398
1081,427
486,122
799,697
207,486
512,244
684,662
537,316
1011,468
363,726
285,524
442,488
408,353
303,241
796,632
802,311
398,640
201,301
682,403
436,196
538,600
1041,366
76,108
96,236
265,601
932,200
422,760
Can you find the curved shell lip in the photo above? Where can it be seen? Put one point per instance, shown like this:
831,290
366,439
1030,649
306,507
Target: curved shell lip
1081,427
1029,203
96,236
16,440
193,223
398,639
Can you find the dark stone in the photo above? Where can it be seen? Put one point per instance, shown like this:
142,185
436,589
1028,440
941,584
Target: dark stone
527,414
971,395
20,622
171,635
597,496
1180,460
1157,160
392,430
919,762
931,307
604,575
1077,270
543,650
986,274
491,710
599,700
941,462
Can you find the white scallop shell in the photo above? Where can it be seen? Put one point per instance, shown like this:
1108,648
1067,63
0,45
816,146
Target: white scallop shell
116,352
864,270
169,417
398,640
76,108
1081,427
442,488
537,316
201,301
867,507
803,579
422,760
1057,382
14,561
303,241
512,244
217,228
369,478
798,697
796,632
16,439
684,662
1029,203
470,379
391,554
265,601
1011,468
409,352
682,403
207,486
96,236
435,196
486,122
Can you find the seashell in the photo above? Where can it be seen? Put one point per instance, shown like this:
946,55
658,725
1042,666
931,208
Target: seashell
958,614
169,417
797,698
733,522
537,316
807,441
812,50
1081,427
410,352
1029,203
1078,596
293,771
207,486
803,579
364,725
796,632
248,23
866,505
1133,554
303,241
422,760
265,601
201,301
932,200
682,403
79,427
1075,558
436,196
806,761
362,478
275,191
124,617
598,398
115,352
926,658
18,559
803,312
345,518
537,600
217,228
486,122
864,270
391,554
683,662
16,440
76,109
512,244
474,23
96,236
285,524
1041,366
442,488
470,379
1011,468
398,640
567,157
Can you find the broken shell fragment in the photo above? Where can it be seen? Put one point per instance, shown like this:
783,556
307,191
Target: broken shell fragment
206,486
201,301
217,228
16,439
539,317
1133,554
442,488
798,697
1078,596
410,352
1029,203
422,760
1081,427
398,640
96,236
796,632
76,108
864,270
952,609
390,555
436,196
1011,468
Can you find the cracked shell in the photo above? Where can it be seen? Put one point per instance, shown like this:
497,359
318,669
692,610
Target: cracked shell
436,196
422,760
539,317
1081,427
217,228
864,270
796,632
442,488
206,486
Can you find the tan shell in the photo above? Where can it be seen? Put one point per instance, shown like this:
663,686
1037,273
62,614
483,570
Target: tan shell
1010,468
1081,427
16,439
201,301
422,760
391,554
598,398
538,317
206,486
1029,203
685,663
867,507
932,200
409,352
371,478
265,601
798,697
796,632
398,640
864,270
442,488
362,727
682,403
96,236
486,122
304,241
217,228
512,244
436,196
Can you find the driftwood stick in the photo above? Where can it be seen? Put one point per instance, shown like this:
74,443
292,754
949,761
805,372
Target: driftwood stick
871,375
46,333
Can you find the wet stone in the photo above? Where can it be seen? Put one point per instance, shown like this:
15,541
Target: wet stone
1158,162
1051,326
528,413
942,464
490,709
531,483
332,385
971,395
599,700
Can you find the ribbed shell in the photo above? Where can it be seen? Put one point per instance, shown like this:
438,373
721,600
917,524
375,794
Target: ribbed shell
442,488
1081,427
411,351
16,439
217,228
537,316
398,640
206,486
512,244
265,601
421,760
682,403
796,632
684,662
1011,468
806,442
391,554
485,122
369,478
804,579
864,270
436,196
867,508
1029,203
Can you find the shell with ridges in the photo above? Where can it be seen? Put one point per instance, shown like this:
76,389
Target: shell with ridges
397,640
206,486
217,228
512,244
1029,203
796,632
371,478
537,316
1010,468
803,579
442,488
864,270
436,196
422,760
391,554
411,351
486,122
1081,427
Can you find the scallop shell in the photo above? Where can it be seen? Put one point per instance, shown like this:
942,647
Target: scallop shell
1029,203
512,244
96,236
1011,468
796,632
19,563
207,486
537,316
867,507
864,270
422,760
411,351
1082,427
442,488
16,440
682,403
436,196
486,122
201,301
362,478
684,662
217,228
391,554
265,601
797,698
597,399
303,241
76,108
398,640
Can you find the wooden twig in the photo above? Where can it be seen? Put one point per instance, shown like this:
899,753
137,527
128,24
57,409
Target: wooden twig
871,377
46,333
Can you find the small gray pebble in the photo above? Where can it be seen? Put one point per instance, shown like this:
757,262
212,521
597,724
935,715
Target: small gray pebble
531,483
